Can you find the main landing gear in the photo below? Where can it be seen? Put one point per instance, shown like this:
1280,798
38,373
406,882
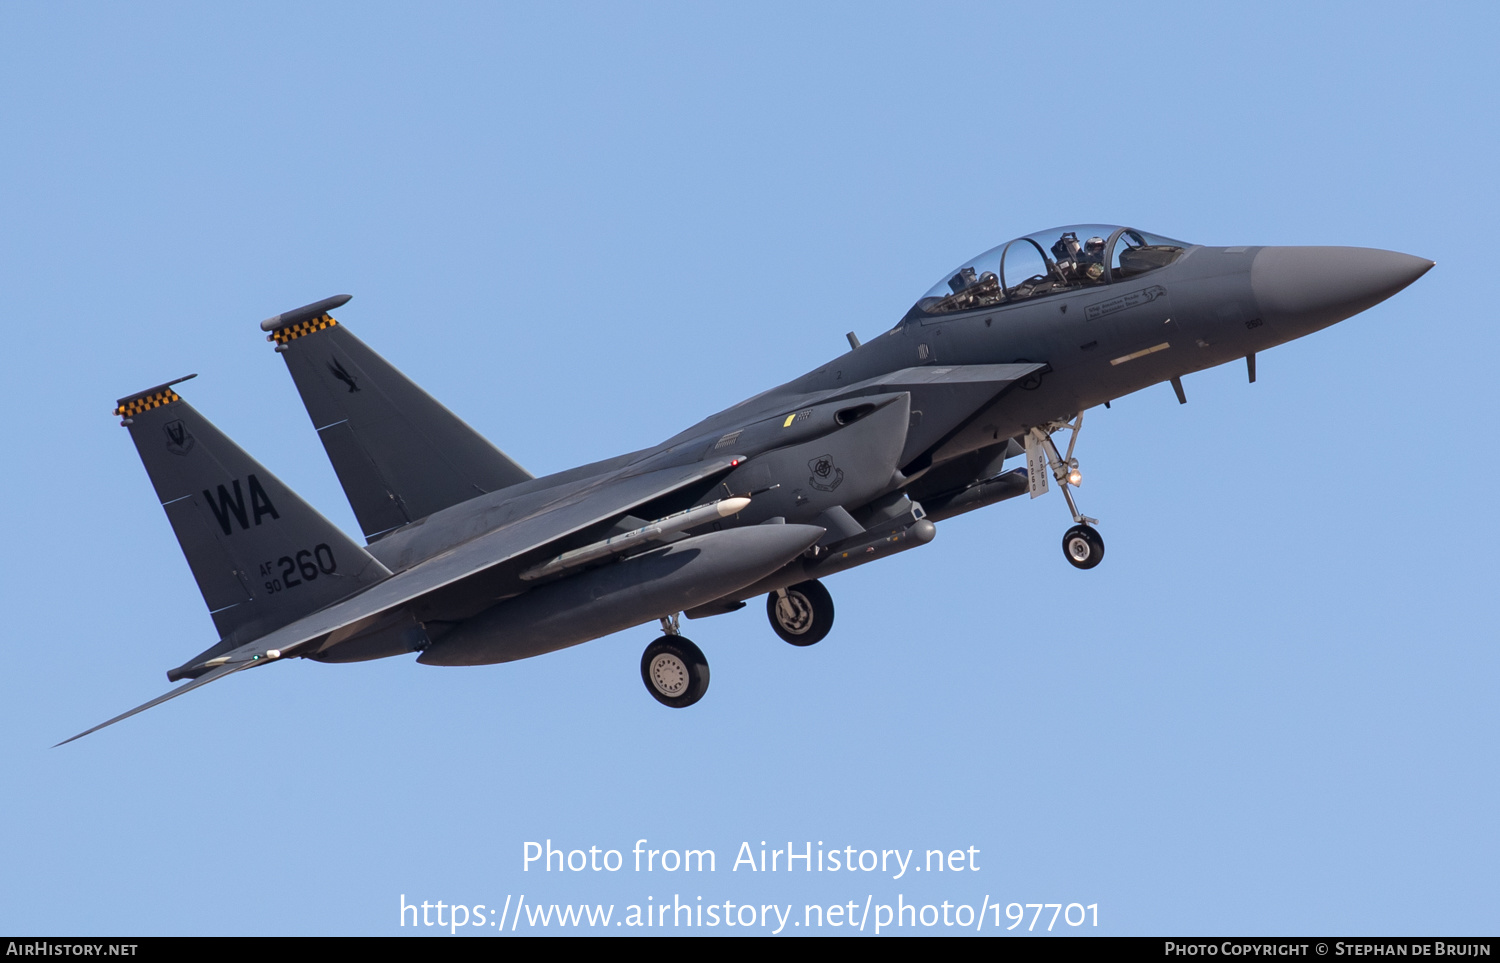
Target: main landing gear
801,614
1083,547
674,669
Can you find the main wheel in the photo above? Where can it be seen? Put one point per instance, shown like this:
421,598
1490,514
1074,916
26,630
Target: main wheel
675,671
1083,546
804,615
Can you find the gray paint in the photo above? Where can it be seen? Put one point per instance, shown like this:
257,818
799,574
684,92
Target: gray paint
928,411
650,586
399,454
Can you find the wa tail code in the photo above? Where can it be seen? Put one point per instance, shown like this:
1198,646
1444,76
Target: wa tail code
228,506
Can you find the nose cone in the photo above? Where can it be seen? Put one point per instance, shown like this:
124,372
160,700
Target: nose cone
1302,289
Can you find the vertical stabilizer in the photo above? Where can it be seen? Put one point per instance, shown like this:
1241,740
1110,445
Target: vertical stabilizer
399,454
262,556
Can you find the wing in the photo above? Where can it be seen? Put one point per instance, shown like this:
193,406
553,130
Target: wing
535,535
599,501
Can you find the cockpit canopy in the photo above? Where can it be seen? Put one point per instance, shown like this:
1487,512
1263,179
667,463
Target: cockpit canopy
1049,262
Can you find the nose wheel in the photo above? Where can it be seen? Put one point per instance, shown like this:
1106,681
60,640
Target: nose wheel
1083,546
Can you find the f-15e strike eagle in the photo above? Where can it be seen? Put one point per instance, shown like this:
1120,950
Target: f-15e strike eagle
469,560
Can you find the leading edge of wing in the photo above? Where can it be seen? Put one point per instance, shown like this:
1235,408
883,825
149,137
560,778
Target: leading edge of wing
472,557
607,499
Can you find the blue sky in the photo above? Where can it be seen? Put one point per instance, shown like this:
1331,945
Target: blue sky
582,227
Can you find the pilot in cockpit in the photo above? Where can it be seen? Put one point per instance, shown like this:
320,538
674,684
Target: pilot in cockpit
1079,264
1093,258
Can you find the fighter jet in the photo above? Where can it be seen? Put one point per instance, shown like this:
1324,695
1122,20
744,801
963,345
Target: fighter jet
470,560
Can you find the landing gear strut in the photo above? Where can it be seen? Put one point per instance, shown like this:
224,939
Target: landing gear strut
1082,545
801,614
674,669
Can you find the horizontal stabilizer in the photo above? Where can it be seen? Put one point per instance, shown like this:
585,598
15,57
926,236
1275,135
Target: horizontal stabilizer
399,454
210,676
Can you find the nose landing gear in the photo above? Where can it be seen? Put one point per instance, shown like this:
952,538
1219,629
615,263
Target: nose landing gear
1082,545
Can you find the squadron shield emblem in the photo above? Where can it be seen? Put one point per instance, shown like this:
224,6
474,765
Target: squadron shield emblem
179,440
826,476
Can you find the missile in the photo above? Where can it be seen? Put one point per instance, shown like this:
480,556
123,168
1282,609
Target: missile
616,544
639,589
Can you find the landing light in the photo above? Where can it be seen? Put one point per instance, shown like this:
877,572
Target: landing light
1075,478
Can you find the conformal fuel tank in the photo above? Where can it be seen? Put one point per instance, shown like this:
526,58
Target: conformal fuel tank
617,596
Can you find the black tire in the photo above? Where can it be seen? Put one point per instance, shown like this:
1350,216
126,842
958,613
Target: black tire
675,671
1083,547
805,616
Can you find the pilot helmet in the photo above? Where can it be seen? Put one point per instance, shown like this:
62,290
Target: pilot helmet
1094,245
